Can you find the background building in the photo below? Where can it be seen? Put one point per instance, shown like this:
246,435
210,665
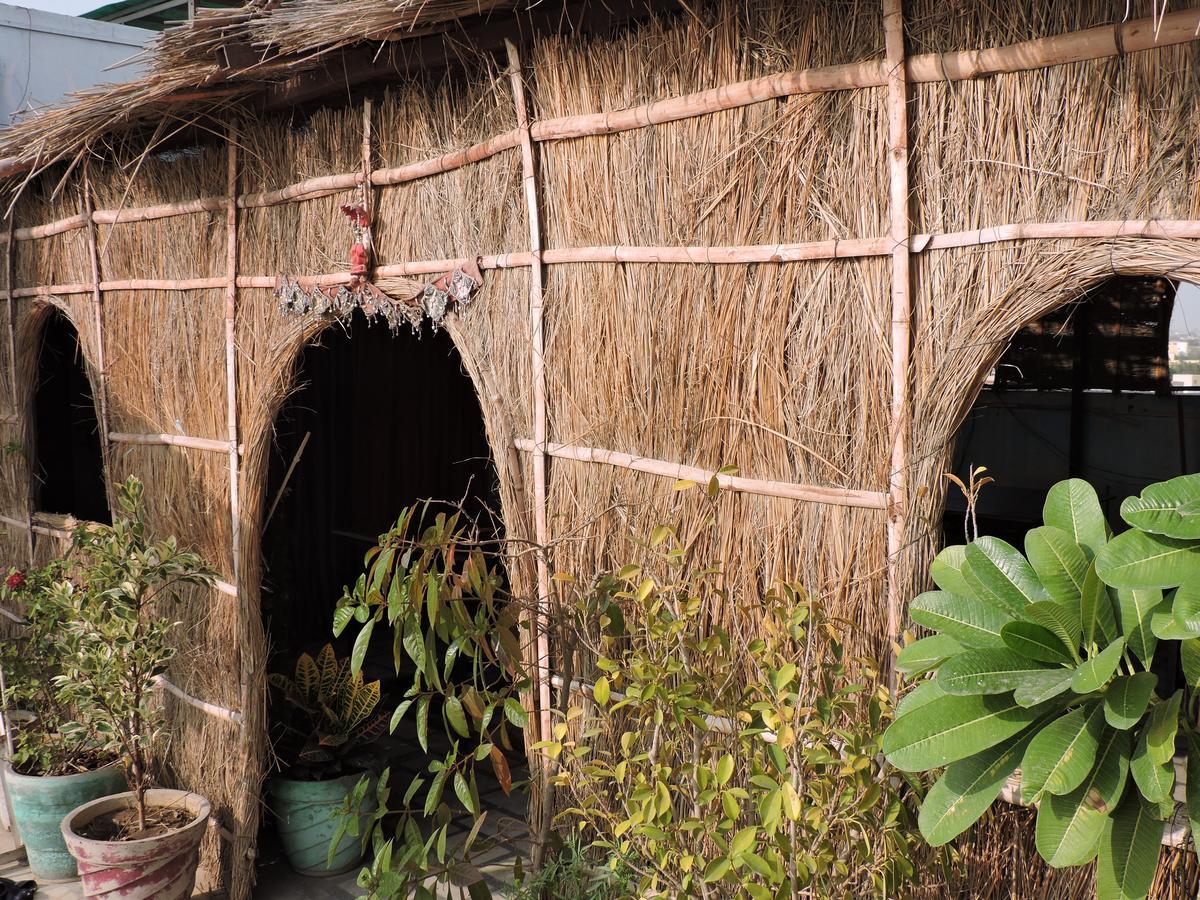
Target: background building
44,56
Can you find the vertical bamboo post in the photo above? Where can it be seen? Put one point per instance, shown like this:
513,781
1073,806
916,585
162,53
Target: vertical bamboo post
10,278
368,195
538,371
101,364
231,403
893,29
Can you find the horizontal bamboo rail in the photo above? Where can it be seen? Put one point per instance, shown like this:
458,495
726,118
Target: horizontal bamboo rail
46,530
173,440
212,709
1103,42
786,490
833,248
163,682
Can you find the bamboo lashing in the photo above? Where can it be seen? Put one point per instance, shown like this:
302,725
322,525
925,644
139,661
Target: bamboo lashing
541,527
786,490
901,339
101,365
231,384
1102,42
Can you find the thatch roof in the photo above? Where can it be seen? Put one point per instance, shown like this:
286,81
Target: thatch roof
223,58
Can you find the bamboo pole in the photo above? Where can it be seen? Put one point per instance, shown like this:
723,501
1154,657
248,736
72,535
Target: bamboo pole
10,301
541,527
901,415
10,274
787,490
172,440
32,528
101,364
231,385
212,709
447,162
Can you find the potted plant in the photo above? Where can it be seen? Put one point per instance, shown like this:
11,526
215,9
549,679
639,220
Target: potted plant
145,842
1062,663
49,773
325,720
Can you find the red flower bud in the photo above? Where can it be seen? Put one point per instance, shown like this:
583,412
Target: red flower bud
15,580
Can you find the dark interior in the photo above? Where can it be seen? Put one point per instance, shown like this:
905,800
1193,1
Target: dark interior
68,464
391,420
1085,392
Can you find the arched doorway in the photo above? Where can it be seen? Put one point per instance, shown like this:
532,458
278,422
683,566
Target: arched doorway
67,461
377,422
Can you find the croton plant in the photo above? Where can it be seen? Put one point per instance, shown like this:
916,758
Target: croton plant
1077,664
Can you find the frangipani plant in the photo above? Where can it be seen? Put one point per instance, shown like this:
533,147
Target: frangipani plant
1059,663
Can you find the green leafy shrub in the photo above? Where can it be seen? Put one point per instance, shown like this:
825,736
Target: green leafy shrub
1047,662
450,618
571,874
325,718
31,665
116,639
715,765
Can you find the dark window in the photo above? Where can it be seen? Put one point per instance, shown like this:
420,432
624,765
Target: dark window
68,463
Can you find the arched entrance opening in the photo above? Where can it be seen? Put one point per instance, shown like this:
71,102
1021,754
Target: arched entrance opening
1106,389
67,460
376,423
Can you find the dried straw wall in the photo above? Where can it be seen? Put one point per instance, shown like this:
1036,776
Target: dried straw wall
780,369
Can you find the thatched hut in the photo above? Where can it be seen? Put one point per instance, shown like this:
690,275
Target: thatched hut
792,238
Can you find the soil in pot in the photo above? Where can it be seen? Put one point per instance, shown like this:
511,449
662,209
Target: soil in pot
122,824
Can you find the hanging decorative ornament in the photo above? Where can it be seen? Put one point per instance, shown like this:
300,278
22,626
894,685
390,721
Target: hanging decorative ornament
302,296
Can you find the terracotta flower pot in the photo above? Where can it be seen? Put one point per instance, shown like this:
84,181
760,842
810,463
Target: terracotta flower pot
155,868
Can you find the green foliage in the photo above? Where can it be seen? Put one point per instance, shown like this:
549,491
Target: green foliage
325,717
31,665
712,765
571,874
116,639
1067,696
450,619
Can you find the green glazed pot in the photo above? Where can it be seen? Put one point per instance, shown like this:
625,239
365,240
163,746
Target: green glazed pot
39,804
306,815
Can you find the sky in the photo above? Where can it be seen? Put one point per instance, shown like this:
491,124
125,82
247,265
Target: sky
66,7
1186,315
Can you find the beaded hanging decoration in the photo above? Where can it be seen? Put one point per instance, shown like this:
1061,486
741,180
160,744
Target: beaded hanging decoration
302,297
